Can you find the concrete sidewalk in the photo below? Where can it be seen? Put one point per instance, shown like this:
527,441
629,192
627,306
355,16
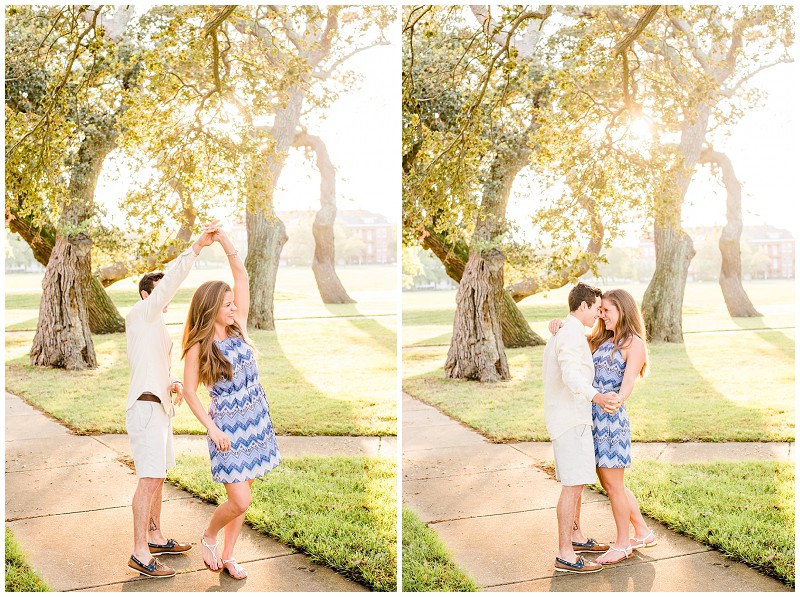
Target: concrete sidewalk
290,445
495,511
68,503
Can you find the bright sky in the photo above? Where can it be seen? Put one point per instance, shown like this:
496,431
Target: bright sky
763,149
362,133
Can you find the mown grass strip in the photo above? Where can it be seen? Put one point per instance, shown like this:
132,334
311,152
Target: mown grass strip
340,511
746,509
20,577
427,566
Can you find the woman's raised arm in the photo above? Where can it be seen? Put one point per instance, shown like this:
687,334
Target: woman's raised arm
241,281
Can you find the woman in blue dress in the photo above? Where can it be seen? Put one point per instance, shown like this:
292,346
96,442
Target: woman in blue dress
241,440
619,352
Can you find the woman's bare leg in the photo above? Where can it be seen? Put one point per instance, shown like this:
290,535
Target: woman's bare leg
613,481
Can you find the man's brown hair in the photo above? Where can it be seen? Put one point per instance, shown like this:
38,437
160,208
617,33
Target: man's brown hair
582,292
148,282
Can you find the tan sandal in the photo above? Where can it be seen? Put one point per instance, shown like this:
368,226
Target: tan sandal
239,570
213,549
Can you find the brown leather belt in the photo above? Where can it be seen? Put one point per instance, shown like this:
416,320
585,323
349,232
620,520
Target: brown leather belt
149,398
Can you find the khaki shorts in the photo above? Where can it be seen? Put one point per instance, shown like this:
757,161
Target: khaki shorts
573,451
150,432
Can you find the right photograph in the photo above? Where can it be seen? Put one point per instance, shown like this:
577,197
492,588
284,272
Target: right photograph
598,306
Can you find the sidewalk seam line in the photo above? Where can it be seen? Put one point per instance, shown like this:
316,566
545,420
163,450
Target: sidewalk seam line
19,518
504,513
139,579
630,565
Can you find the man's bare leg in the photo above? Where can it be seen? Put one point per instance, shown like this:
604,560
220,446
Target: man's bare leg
142,500
565,512
154,524
577,533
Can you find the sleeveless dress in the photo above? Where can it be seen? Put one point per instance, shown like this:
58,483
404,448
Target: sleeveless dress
611,433
240,409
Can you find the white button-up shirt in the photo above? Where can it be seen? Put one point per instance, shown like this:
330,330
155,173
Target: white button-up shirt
568,373
149,344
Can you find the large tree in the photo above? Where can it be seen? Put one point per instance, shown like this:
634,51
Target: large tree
64,125
664,82
266,70
63,105
478,89
701,59
308,43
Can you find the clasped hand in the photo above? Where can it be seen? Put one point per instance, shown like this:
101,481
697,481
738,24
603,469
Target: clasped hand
609,402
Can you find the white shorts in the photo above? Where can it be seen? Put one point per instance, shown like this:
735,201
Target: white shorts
150,432
573,452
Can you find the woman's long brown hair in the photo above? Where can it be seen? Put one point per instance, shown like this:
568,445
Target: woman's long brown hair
630,323
199,329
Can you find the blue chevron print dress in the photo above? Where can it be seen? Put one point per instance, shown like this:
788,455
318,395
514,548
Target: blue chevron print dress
240,409
611,433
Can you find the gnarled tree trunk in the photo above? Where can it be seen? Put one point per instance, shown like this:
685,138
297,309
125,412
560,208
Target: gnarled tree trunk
662,304
104,317
730,275
266,235
63,337
476,349
515,329
331,289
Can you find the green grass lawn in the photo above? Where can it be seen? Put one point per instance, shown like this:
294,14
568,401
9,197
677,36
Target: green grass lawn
732,379
426,564
341,511
312,389
20,577
743,509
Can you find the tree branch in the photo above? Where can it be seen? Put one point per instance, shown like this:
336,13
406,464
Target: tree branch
637,30
324,74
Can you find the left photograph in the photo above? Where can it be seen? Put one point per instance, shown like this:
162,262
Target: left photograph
201,276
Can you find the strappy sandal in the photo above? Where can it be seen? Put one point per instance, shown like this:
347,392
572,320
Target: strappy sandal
213,549
640,543
626,553
239,569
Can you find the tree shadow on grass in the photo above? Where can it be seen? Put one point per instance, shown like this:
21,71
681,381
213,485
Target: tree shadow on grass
676,402
297,406
384,337
778,338
681,404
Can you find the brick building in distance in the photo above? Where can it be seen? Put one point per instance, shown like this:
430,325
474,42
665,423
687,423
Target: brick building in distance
775,243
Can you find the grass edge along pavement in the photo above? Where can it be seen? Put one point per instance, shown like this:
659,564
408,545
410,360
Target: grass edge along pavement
20,577
715,502
339,511
696,395
297,404
311,392
696,399
427,565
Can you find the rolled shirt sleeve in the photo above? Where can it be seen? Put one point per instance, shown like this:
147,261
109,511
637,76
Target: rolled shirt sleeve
571,359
